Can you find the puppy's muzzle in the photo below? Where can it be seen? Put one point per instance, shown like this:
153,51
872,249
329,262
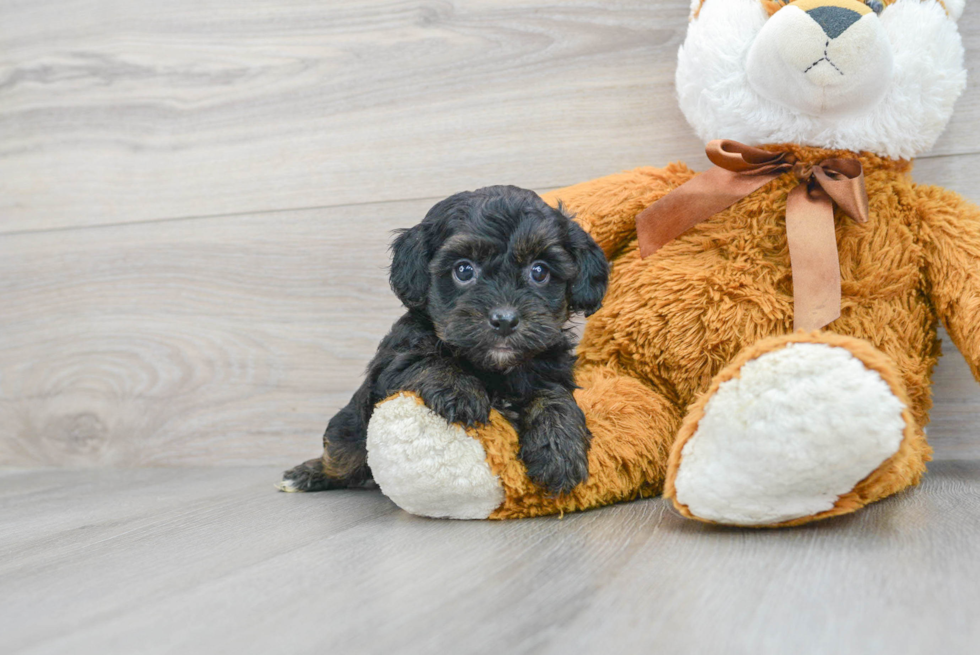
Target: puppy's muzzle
504,320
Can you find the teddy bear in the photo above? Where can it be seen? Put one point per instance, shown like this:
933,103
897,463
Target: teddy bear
764,351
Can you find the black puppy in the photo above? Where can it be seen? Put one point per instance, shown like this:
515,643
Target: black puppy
489,278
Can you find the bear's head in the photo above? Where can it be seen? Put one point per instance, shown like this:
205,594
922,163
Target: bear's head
874,75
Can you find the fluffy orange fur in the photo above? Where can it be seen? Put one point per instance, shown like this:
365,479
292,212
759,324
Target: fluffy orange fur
675,325
632,431
676,319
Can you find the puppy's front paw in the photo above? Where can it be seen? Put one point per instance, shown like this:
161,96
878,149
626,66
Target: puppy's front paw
466,402
556,452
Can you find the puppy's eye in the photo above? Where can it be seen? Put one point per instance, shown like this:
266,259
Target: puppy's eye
464,272
875,5
539,273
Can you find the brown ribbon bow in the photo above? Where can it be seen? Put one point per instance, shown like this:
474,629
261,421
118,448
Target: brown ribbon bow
739,170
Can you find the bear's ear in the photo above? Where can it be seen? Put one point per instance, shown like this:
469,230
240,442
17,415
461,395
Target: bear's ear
954,8
409,271
585,292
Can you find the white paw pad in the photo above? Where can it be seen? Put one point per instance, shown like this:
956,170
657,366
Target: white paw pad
427,466
797,429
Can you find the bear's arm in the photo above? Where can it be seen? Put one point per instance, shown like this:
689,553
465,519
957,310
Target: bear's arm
951,235
607,206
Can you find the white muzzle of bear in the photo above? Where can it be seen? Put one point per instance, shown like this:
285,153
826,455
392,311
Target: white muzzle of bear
822,57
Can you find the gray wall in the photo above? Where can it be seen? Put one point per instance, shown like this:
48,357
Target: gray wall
196,197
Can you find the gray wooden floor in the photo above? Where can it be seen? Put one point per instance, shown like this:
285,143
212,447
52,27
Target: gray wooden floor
195,203
213,561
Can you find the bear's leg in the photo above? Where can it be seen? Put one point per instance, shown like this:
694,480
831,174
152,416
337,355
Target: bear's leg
428,466
431,468
797,428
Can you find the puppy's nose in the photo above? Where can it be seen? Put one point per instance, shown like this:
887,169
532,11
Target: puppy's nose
504,320
834,20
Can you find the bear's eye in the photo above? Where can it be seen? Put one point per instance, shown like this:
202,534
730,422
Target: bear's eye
539,273
875,5
464,272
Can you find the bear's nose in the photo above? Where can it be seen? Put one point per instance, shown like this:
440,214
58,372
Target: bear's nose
834,20
504,320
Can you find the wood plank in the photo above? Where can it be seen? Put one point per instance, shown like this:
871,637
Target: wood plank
224,341
190,342
120,112
954,431
173,561
953,172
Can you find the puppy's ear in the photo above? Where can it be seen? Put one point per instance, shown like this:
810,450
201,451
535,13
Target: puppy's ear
413,249
585,292
409,272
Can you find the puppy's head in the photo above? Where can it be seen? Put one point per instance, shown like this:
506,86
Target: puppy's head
498,272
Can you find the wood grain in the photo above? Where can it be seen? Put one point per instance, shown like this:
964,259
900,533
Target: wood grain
224,341
136,330
190,342
132,111
184,560
195,202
